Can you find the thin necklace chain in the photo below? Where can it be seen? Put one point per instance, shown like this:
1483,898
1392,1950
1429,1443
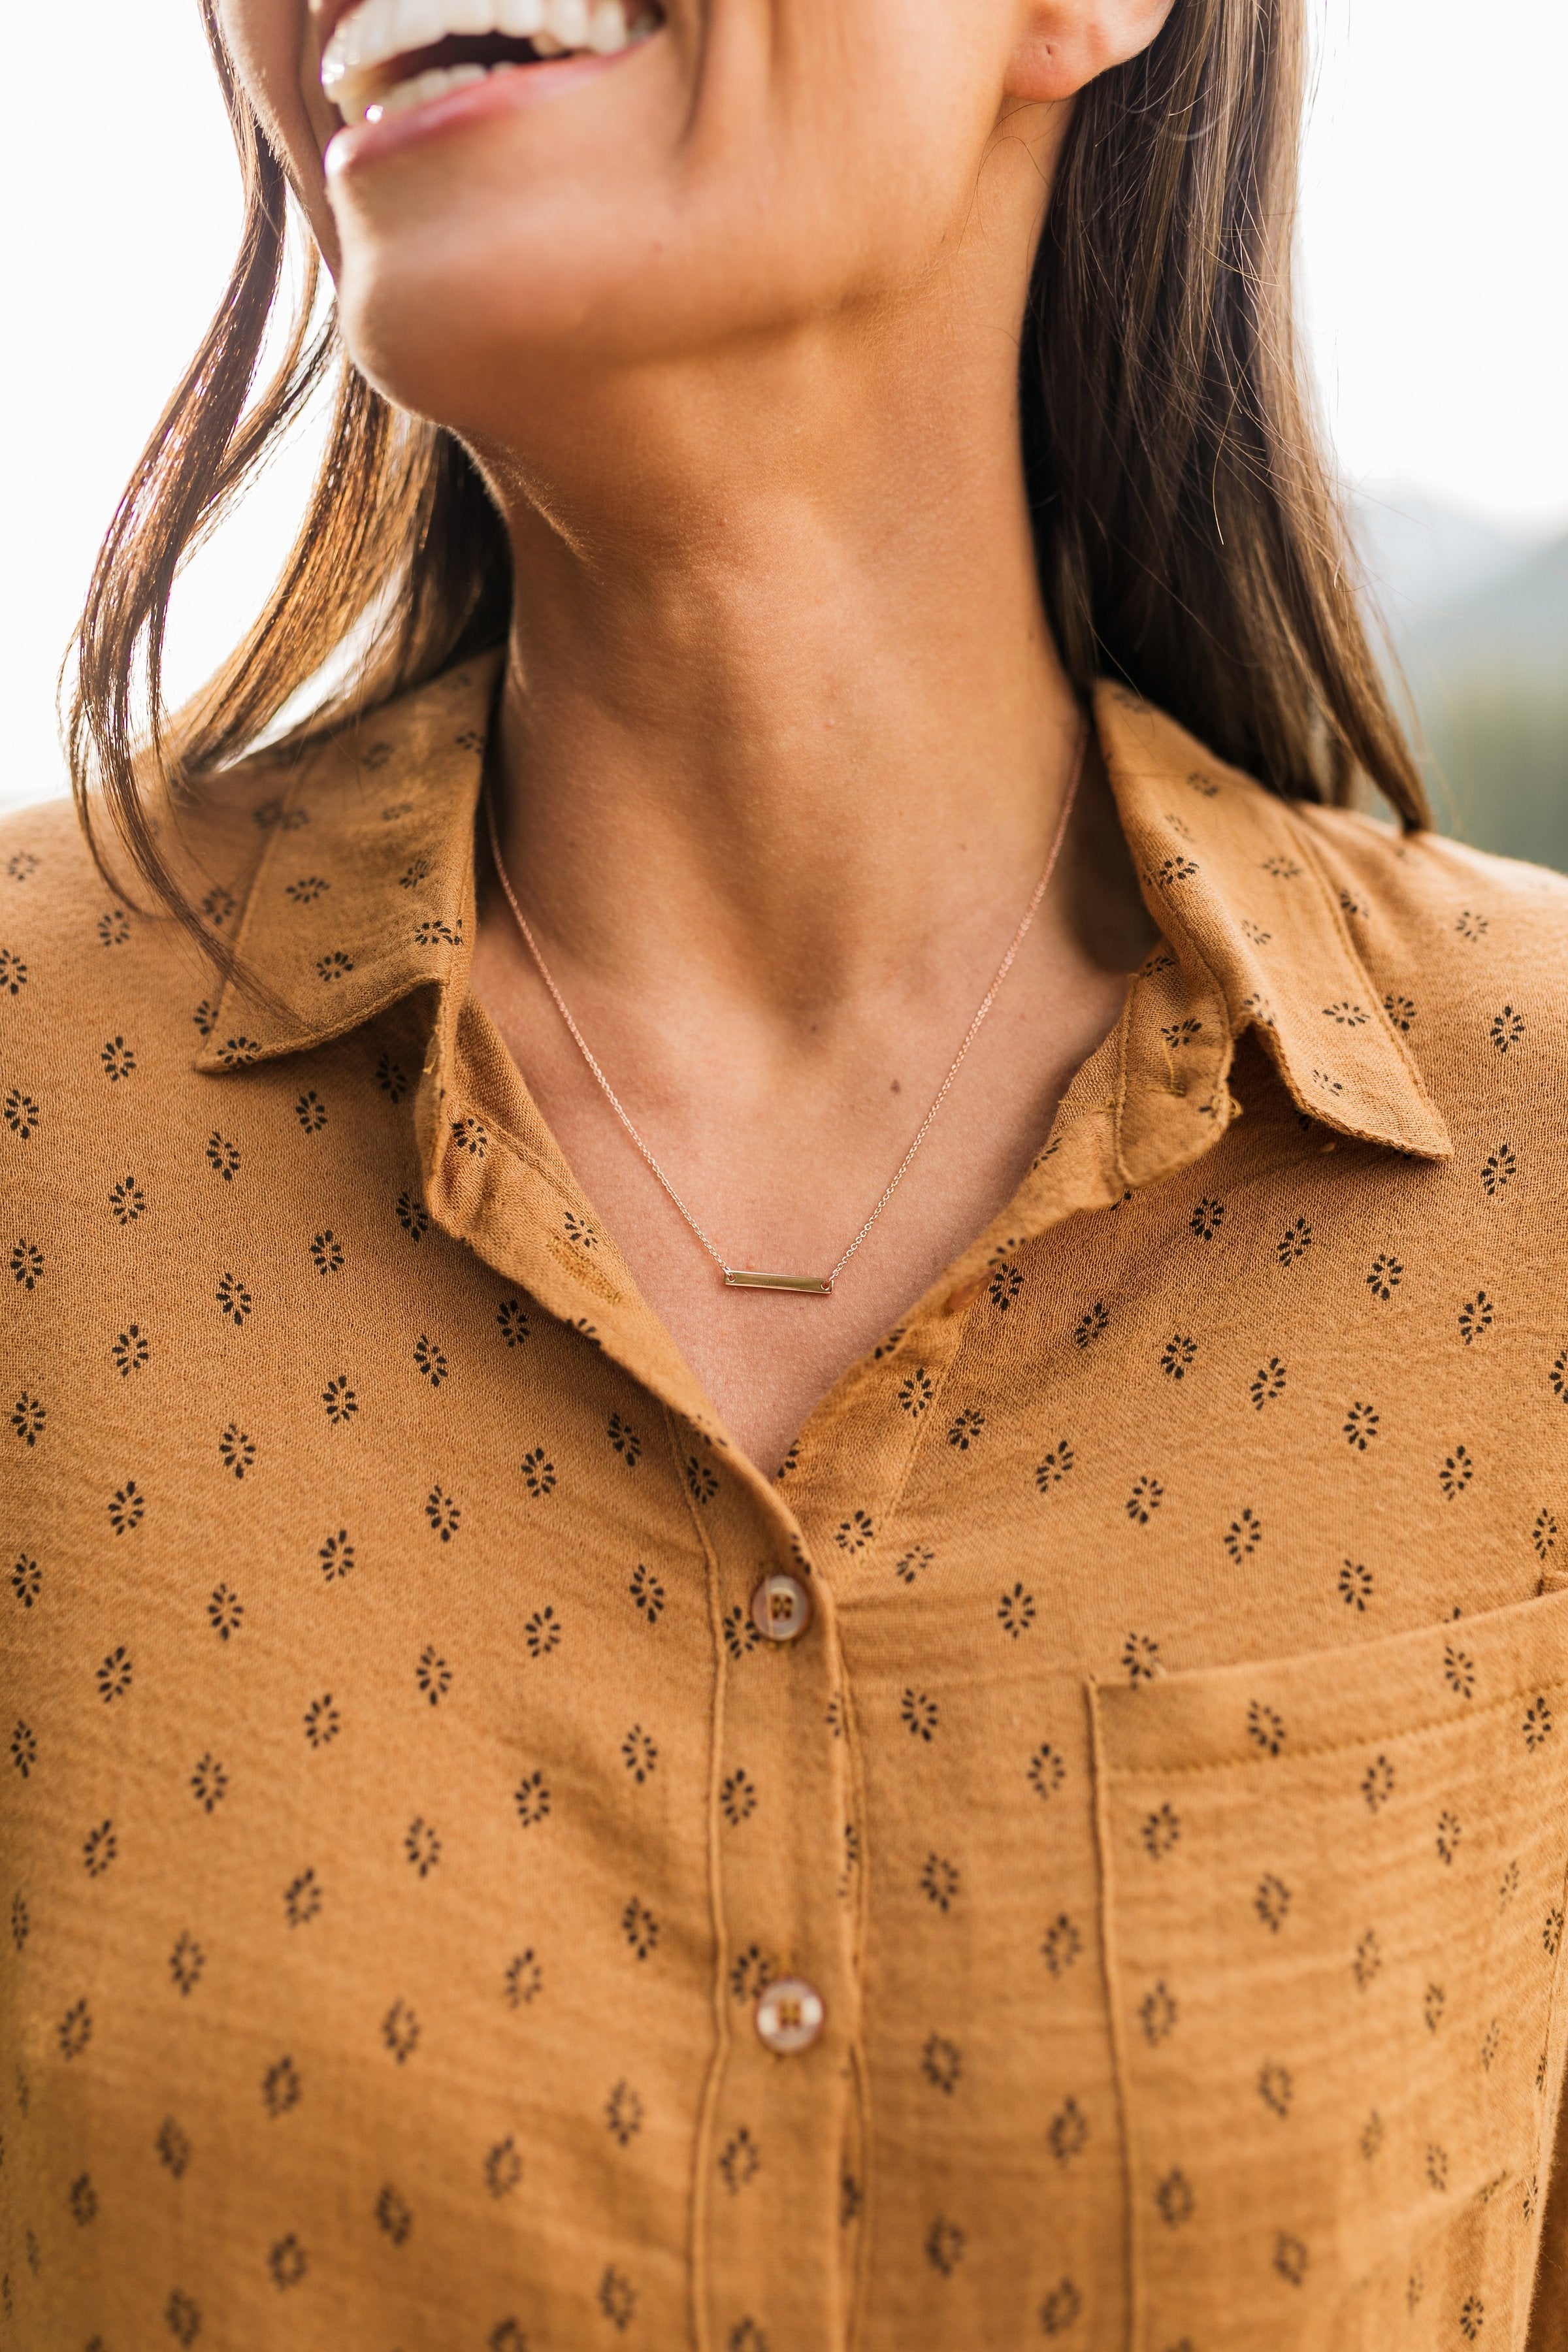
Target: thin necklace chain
902,1169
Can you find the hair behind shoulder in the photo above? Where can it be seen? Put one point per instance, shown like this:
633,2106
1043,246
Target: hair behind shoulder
1190,541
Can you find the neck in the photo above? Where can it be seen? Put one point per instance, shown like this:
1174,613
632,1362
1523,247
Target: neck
795,710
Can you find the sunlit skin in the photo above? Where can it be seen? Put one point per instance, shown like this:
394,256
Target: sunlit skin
730,321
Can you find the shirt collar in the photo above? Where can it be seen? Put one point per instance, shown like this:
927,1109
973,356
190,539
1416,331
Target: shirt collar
364,893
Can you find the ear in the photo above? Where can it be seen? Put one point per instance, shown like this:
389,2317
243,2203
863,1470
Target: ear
1063,45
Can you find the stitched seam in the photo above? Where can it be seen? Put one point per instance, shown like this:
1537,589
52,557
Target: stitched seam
1111,1970
1340,1746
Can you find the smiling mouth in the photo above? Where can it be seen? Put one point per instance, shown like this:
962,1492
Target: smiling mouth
387,56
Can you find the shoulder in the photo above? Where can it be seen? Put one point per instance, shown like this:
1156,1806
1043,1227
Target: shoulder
1437,898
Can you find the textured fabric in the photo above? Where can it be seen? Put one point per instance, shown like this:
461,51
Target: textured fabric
403,1815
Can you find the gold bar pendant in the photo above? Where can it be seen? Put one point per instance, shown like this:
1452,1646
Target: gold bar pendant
809,1286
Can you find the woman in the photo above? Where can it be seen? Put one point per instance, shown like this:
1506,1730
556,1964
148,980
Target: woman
1012,1787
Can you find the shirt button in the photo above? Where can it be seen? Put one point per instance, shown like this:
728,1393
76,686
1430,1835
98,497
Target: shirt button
790,2016
781,1607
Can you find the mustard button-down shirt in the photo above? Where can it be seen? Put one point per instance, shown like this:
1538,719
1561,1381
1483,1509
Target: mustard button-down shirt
405,1814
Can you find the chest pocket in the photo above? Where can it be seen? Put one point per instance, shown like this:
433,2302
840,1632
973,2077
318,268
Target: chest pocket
1335,1889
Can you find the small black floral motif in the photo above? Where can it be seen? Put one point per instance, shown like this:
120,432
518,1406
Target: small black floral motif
1005,1287
617,2299
1243,1535
1284,869
1174,2199
1433,2001
209,1783
224,1611
22,1114
118,1060
1090,1324
1294,1242
1544,1534
740,2161
203,1020
307,890
1377,1783
339,1400
127,1508
1144,1500
327,1254
1401,1012
28,1415
639,1927
1268,1383
444,1514
1141,1658
131,1351
172,2147
223,1158
1159,1832
469,1136
1264,1729
919,1714
965,1430
1171,871
1178,1356
234,1300
181,2317
626,1441
1552,1933
1508,1887
751,1973
1499,1170
1372,2136
1472,2312
400,2031
701,1482
433,1677
1537,1724
1471,926
531,1799
910,1564
288,2261
1355,1585
503,2168
74,2030
392,2216
624,2113
1290,2258
506,2337
524,1980
1182,1033
390,1078
114,1675
647,1592
1458,1671
1206,1219
738,1797
1016,1612
1256,933
13,974
1272,1902
1476,1317
280,2087
538,1474
333,967
236,1450
941,2063
26,1579
1061,1944
1275,2089
917,1392
414,1217
740,1634
237,1053
1064,2305
186,1962
422,1846
542,1633
23,1749
302,1899
1384,1278
310,1111
1346,1015
640,1754
1067,2133
1057,1463
944,2246
1449,1835
322,1721
28,1266
938,1882
1361,1426
1158,2014
1455,1474
854,1533
1559,1377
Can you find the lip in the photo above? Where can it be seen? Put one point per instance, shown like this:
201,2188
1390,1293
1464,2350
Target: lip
360,144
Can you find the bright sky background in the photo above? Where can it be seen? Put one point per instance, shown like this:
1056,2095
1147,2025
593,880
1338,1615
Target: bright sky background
1434,229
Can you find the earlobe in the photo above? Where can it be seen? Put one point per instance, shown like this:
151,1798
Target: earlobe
1063,45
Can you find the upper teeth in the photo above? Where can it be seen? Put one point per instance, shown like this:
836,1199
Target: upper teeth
377,31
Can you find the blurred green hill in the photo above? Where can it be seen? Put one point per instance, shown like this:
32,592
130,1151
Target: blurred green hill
1478,622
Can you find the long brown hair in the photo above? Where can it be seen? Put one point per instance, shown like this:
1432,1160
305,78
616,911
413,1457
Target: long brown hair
1190,541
